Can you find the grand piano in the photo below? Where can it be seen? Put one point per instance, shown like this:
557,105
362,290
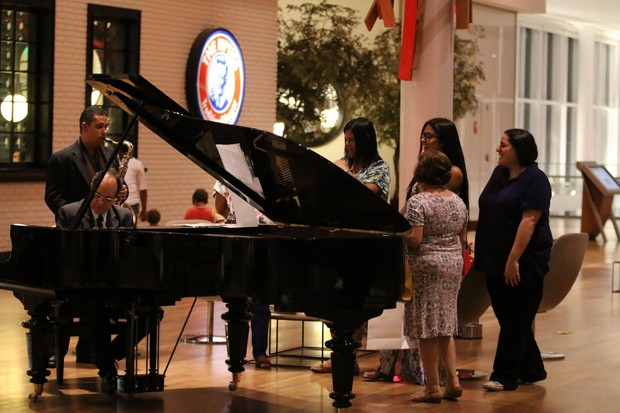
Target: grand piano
332,238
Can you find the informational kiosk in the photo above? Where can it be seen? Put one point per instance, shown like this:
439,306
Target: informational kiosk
599,188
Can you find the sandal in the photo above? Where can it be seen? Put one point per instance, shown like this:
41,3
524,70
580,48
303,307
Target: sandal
322,368
262,362
377,375
326,367
428,396
453,393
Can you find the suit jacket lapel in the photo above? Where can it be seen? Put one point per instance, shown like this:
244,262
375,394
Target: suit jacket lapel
88,220
80,161
112,221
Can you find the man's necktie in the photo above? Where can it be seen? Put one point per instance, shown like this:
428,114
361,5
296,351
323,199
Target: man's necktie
100,221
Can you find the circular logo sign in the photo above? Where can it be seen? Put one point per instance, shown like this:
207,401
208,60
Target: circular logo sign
215,77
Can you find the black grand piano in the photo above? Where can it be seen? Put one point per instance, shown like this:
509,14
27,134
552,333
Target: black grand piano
332,238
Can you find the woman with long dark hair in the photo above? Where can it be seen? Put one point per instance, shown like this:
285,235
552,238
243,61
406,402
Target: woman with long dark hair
362,160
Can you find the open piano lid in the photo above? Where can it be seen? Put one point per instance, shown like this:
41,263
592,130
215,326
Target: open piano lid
286,181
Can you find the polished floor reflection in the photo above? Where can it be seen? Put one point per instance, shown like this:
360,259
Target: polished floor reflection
584,327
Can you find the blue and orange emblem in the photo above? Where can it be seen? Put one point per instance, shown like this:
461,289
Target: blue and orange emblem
215,78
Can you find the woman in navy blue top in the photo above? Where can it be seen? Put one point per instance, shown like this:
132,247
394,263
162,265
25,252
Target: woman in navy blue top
513,246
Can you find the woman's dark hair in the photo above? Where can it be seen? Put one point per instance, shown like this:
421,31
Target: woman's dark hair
434,168
524,145
365,141
450,143
200,195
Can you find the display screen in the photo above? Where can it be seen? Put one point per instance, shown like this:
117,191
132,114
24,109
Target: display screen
609,182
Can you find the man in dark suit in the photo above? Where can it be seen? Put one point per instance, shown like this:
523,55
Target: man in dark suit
70,170
102,214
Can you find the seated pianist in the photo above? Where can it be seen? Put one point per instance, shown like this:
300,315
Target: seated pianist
102,214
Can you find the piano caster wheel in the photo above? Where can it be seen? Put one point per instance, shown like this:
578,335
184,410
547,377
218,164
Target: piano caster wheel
232,386
38,390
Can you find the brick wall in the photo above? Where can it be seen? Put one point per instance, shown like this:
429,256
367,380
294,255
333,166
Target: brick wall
168,30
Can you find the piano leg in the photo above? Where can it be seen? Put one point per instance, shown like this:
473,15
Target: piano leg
37,342
343,346
237,329
343,325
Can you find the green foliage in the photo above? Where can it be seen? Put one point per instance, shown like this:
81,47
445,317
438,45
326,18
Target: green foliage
317,54
382,103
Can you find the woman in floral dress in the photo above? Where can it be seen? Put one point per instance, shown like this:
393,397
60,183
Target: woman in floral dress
438,219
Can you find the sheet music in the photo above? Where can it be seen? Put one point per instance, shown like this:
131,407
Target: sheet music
235,162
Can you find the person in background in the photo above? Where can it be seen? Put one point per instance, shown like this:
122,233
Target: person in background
199,210
438,219
153,217
261,314
361,160
513,247
135,178
438,134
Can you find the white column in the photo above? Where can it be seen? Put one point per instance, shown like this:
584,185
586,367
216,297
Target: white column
429,93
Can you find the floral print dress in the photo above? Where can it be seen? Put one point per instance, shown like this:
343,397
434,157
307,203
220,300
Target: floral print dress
436,265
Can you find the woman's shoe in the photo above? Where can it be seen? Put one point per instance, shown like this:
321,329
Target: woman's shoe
377,375
325,367
428,396
453,394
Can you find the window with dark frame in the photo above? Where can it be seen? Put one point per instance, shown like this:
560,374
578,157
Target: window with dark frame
26,79
113,47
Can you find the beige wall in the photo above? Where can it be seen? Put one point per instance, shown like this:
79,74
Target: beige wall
167,33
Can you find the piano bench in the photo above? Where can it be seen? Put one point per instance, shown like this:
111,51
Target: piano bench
301,355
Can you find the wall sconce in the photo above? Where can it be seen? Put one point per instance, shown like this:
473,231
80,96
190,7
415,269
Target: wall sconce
14,108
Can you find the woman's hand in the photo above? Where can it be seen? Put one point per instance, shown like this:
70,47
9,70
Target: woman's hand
511,273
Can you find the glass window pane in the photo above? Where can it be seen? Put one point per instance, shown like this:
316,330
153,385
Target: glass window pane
5,147
573,70
527,64
24,28
116,37
116,64
550,66
8,24
6,56
571,140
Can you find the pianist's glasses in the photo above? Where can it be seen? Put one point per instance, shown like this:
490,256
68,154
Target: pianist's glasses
103,198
